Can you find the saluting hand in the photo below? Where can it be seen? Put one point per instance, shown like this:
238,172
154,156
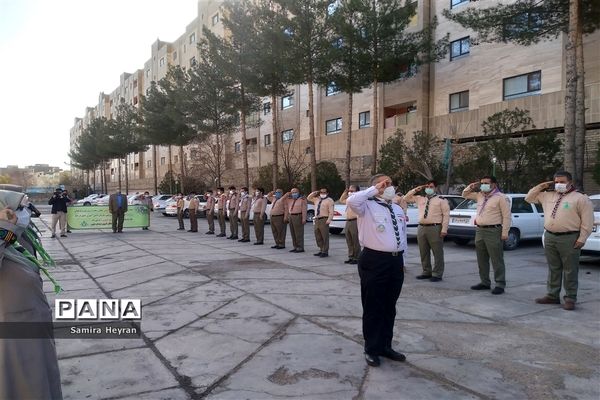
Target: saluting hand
473,185
548,184
382,185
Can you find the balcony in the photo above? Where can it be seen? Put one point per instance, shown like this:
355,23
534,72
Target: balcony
400,115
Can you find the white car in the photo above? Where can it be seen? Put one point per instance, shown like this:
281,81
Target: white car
101,200
89,200
412,213
171,207
592,244
527,221
160,202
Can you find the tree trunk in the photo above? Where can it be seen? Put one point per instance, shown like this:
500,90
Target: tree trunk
349,139
171,169
244,137
218,171
375,126
275,113
155,169
104,176
571,88
579,106
127,174
87,183
311,134
119,172
94,178
182,168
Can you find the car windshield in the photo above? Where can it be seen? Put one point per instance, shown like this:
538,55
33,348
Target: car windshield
596,203
467,205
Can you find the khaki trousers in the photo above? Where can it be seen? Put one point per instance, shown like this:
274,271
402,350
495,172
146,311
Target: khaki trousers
193,221
322,234
245,222
279,228
210,217
563,264
352,239
297,231
489,246
429,240
180,218
59,218
221,218
233,222
259,228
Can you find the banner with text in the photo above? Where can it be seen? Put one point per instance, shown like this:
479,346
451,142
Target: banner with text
98,217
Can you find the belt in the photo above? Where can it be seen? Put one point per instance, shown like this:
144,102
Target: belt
429,224
296,214
563,233
322,217
232,209
490,226
278,215
388,253
353,219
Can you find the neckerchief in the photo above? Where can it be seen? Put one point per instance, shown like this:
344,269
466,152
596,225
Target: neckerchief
394,221
558,201
427,205
486,198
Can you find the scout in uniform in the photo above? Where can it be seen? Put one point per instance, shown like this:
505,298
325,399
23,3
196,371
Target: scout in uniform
493,223
180,209
323,217
434,214
209,209
279,217
568,220
221,200
234,206
296,215
147,200
382,232
193,208
351,227
245,207
259,208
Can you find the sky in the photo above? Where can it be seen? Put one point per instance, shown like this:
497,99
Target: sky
58,55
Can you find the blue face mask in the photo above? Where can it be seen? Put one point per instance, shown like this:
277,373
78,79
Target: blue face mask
295,195
278,195
429,191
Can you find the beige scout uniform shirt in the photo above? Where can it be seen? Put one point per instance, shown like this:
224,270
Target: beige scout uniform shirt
222,201
260,206
245,205
297,206
234,202
181,203
350,214
496,211
194,203
326,209
210,205
438,212
575,212
278,205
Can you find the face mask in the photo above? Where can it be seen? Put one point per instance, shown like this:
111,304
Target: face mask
389,193
485,187
23,217
277,195
429,191
295,195
257,193
323,196
231,192
560,187
218,193
243,193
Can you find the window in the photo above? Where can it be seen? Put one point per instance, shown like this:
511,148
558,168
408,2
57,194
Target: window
331,90
454,3
149,164
287,136
364,119
174,55
192,61
522,85
215,19
251,142
459,101
147,73
267,140
193,38
287,101
176,159
162,161
161,62
266,108
529,22
237,147
135,100
459,47
519,205
333,126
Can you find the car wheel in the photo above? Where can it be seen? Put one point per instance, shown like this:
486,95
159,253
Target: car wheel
87,203
310,215
462,242
513,240
186,214
165,214
335,231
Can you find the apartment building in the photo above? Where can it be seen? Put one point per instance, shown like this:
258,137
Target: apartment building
450,98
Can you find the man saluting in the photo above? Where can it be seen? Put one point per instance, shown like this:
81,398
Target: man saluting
382,233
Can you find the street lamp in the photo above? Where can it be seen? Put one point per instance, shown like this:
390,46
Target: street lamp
494,159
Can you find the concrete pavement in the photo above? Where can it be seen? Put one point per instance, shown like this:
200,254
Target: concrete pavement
229,320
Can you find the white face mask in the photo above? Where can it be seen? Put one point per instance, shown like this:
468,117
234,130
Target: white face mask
389,193
231,192
243,193
560,187
257,193
485,187
323,196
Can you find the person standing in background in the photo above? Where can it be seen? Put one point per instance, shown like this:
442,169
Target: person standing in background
193,209
323,217
351,228
209,210
259,208
245,208
234,206
147,201
221,210
297,210
59,212
117,206
279,217
69,203
180,211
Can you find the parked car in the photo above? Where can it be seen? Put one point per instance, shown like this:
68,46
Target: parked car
160,202
91,199
171,207
412,213
527,221
592,244
101,200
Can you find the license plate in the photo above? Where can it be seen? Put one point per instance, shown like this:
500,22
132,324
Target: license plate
457,220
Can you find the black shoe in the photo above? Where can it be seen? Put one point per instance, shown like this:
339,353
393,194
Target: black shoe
275,247
317,254
181,229
68,231
300,251
372,360
241,240
258,243
480,286
114,231
423,276
498,290
189,230
119,231
230,237
348,261
393,355
293,251
435,279
221,235
280,247
53,235
353,262
209,233
63,235
246,240
323,255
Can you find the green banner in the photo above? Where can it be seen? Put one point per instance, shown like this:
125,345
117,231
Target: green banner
98,217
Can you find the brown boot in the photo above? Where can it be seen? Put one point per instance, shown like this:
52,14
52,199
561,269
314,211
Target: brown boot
547,300
569,304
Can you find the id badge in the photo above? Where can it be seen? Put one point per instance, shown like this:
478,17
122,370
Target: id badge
380,220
